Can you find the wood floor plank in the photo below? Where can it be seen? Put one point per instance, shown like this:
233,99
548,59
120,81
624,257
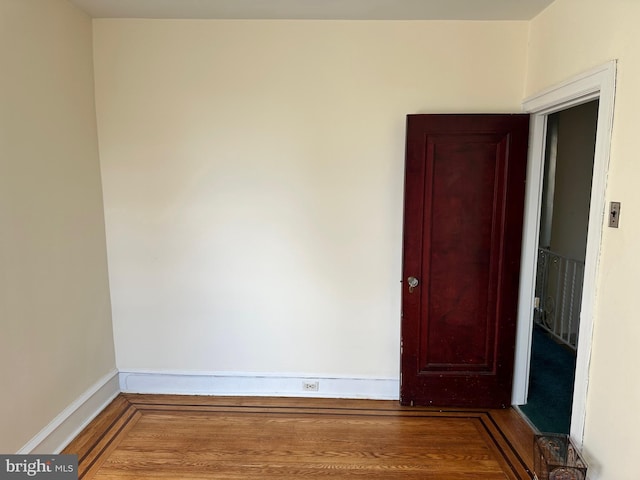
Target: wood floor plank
517,430
86,440
279,438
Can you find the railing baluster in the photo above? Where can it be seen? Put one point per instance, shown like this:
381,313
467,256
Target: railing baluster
560,295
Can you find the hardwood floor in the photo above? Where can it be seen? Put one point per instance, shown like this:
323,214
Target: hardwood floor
192,437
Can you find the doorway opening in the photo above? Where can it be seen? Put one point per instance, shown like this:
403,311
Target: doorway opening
562,244
595,84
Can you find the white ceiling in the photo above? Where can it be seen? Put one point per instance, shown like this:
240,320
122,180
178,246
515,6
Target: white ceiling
317,9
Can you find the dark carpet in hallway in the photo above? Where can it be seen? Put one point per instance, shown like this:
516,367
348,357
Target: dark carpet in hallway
550,384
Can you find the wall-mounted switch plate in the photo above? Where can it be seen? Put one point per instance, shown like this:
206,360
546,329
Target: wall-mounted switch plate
614,214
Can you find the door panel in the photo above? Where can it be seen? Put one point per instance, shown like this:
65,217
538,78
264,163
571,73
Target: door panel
464,197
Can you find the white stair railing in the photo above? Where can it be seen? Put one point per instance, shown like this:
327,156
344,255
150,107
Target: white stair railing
559,295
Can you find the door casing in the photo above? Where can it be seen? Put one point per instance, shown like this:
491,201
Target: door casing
598,83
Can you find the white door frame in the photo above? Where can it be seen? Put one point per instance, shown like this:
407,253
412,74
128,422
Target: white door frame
598,83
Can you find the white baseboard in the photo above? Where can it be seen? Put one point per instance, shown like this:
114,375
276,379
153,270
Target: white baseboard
234,384
66,426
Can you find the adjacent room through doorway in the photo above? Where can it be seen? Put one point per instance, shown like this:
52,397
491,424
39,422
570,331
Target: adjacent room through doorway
564,218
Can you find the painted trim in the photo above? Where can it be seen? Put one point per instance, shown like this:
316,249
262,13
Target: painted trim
70,422
528,262
579,89
598,83
257,384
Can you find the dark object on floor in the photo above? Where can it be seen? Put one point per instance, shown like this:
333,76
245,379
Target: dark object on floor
550,384
556,458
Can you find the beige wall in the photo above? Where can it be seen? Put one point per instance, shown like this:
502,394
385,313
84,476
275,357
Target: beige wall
253,189
56,338
569,37
253,179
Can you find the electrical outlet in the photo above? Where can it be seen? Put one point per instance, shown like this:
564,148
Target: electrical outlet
311,386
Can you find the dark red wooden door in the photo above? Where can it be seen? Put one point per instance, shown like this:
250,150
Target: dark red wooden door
464,202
